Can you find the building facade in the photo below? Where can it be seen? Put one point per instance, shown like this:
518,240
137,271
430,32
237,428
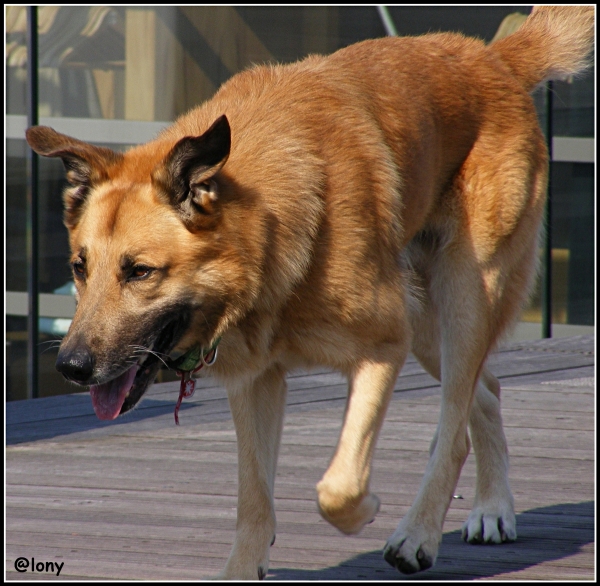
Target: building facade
116,76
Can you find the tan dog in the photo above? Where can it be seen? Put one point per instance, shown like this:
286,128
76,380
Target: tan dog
338,211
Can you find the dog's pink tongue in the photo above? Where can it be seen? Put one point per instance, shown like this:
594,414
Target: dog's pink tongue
108,398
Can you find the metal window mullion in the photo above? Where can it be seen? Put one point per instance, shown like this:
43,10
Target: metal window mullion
547,254
387,21
32,230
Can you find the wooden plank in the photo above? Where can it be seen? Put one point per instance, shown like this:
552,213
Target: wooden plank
508,358
143,499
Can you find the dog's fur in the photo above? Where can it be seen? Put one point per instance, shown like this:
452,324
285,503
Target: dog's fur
344,211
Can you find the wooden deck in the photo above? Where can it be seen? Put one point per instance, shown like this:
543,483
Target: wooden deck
140,498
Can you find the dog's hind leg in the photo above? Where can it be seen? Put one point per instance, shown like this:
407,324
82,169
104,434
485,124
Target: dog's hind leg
478,261
343,493
458,296
492,519
258,410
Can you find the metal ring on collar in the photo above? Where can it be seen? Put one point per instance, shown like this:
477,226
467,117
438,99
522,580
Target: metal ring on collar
212,360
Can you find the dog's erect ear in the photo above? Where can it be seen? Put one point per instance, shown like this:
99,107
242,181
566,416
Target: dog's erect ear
85,164
187,173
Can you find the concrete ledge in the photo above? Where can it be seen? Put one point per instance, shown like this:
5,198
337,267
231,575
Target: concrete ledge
533,331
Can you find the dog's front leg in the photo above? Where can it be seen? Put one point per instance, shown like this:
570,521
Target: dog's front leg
343,493
257,409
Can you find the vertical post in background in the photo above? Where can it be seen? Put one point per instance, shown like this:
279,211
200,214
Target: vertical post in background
32,208
547,254
387,21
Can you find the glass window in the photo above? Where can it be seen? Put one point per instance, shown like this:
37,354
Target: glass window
116,75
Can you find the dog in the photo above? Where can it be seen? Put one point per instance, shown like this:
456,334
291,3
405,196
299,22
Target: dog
339,211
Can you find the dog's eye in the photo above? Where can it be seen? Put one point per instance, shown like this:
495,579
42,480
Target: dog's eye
140,272
78,268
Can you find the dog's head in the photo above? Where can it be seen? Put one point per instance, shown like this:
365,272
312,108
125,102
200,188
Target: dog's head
158,264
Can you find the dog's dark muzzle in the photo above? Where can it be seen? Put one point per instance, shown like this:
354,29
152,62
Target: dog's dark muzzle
76,365
132,374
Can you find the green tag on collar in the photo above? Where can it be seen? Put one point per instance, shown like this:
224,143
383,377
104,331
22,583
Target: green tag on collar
189,360
192,357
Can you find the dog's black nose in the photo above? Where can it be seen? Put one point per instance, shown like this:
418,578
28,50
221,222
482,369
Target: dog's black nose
76,365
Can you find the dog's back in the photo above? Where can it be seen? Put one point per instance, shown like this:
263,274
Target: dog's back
427,95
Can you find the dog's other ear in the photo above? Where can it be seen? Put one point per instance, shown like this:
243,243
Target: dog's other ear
86,165
187,173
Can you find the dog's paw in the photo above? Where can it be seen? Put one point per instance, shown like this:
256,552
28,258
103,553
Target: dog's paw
239,573
347,515
490,526
249,558
411,551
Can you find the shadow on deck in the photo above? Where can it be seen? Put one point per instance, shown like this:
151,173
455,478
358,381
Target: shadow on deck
545,534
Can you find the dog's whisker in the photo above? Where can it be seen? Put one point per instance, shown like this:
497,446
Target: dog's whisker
139,350
50,345
50,342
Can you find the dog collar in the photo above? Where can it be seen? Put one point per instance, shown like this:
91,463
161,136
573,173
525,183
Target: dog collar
192,361
195,356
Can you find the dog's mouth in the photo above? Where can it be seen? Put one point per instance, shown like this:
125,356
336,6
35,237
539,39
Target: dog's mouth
122,393
109,398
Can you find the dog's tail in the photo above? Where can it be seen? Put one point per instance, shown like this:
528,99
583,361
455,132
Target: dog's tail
553,43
